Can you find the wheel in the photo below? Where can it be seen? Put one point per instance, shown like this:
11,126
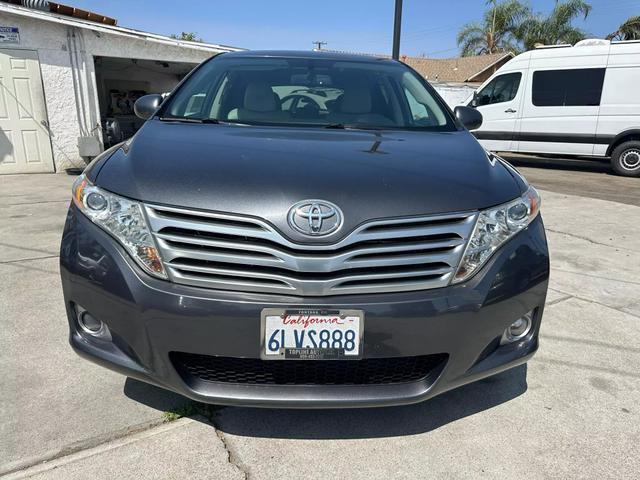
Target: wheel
625,159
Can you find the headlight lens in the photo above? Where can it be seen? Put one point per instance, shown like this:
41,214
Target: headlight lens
493,228
122,218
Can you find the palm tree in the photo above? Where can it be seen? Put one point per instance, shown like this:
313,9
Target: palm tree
555,28
496,32
629,30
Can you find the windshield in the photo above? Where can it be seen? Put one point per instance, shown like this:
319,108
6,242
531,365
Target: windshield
307,92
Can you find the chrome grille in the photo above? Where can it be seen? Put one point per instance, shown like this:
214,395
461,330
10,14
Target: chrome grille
230,252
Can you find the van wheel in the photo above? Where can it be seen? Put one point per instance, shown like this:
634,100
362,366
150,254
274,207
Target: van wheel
625,159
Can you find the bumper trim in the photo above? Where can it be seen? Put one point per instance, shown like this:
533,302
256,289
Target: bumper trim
308,396
149,318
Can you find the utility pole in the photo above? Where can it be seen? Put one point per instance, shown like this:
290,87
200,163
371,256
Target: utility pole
318,45
397,24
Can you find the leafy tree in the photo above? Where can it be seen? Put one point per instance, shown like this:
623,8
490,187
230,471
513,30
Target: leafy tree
629,30
497,30
555,28
188,36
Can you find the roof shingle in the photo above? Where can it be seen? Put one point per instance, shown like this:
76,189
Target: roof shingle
461,69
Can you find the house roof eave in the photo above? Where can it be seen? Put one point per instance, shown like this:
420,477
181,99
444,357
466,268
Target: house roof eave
507,54
112,29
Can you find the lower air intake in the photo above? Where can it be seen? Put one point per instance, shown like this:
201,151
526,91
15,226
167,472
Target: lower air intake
249,371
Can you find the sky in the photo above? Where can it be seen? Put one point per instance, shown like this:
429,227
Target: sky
429,27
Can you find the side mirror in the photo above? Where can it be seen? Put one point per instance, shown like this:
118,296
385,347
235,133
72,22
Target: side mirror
147,105
469,117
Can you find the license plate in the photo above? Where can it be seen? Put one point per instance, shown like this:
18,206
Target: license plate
311,334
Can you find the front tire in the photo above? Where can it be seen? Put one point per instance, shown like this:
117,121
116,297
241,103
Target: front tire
625,159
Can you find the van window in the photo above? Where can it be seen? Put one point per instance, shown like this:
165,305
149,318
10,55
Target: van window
568,88
501,89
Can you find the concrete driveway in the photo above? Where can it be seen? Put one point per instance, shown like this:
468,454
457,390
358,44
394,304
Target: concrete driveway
587,177
572,412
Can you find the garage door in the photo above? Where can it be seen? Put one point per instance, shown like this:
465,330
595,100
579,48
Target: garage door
25,146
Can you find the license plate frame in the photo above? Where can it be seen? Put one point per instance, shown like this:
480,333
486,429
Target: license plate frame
292,353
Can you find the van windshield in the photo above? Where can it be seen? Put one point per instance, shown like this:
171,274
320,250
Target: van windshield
308,92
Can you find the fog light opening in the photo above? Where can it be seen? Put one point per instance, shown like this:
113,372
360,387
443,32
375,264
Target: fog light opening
91,325
518,329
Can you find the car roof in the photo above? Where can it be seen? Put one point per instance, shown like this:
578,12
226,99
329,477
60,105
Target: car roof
310,54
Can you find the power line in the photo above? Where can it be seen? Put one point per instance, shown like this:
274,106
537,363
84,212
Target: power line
428,54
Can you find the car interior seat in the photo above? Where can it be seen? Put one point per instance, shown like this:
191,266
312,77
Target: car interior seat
260,103
355,106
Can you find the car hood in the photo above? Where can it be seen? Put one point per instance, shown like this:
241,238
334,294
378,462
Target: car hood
263,171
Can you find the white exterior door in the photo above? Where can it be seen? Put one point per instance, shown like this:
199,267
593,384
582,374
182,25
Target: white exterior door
499,102
25,146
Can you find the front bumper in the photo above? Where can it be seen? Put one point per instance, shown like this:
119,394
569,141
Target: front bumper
150,318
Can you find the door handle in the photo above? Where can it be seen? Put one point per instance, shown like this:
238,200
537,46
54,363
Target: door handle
510,110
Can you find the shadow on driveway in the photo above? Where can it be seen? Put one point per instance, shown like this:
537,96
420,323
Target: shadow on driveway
351,423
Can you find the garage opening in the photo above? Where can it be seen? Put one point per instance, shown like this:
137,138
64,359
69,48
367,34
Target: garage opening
121,81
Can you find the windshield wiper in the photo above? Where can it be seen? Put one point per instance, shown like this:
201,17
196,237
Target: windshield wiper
190,120
342,126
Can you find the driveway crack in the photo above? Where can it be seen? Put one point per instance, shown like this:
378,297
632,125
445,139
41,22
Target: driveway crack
590,275
595,302
18,260
69,453
232,457
587,239
558,300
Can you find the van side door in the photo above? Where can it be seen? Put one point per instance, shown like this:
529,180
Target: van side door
620,103
499,102
560,113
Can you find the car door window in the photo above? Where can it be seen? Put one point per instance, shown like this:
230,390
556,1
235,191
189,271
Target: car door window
194,105
216,105
418,111
501,89
422,109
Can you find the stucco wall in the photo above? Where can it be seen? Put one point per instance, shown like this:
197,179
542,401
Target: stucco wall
50,41
454,94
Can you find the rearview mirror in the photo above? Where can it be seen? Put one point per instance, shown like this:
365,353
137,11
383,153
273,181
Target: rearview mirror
147,105
469,117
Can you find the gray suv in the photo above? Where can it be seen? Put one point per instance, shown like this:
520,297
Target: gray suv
304,229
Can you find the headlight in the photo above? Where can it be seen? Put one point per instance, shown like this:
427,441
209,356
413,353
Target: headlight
494,227
122,218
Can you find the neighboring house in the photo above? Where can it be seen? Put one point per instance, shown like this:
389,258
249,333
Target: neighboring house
473,69
68,80
456,78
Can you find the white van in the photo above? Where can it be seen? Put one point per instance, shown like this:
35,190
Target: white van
582,100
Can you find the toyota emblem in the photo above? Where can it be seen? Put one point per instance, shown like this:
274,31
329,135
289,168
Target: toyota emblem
315,217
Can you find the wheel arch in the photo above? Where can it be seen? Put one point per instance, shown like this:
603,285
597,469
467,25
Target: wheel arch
632,134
